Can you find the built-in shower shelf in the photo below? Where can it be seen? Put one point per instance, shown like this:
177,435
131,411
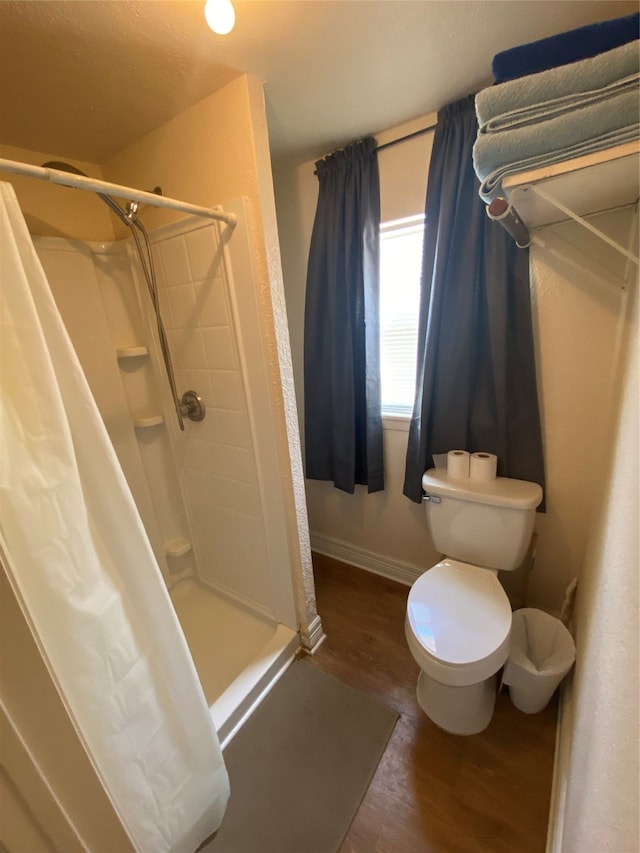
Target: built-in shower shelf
132,352
149,421
177,547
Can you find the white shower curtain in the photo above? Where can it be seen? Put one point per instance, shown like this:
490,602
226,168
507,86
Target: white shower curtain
83,570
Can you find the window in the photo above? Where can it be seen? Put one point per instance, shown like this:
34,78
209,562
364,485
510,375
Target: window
400,264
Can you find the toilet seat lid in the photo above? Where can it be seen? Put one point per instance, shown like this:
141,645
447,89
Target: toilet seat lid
459,613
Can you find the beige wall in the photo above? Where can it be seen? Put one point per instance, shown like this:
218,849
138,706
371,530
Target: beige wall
55,211
578,313
577,304
596,789
204,155
277,353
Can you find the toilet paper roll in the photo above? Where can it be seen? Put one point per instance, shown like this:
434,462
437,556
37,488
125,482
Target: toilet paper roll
458,464
483,466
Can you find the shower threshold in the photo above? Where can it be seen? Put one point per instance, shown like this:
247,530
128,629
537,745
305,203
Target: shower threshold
238,656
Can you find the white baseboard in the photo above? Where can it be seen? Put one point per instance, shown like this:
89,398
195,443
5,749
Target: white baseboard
315,636
395,570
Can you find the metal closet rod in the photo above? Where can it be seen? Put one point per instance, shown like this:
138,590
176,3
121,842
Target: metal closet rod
500,210
55,176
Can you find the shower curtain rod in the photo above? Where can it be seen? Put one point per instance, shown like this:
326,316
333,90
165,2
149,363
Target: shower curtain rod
56,176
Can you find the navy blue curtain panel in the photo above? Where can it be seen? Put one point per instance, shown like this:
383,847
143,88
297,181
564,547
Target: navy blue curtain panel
476,378
343,420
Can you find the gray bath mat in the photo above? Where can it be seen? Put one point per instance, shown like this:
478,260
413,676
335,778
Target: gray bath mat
301,765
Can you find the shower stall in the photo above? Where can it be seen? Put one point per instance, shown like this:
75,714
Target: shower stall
205,494
210,491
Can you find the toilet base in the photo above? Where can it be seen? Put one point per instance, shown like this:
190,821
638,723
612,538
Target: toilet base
458,710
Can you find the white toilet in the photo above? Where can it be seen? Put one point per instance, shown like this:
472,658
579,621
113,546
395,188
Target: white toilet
458,615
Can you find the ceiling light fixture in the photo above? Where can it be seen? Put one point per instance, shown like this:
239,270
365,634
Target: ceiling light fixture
220,16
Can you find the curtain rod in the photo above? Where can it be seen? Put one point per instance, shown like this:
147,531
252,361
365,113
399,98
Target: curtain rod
56,176
408,136
387,144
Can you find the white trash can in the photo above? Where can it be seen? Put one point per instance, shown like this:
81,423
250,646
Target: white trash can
542,652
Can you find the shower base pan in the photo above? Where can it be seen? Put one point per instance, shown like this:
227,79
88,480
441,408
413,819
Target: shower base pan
238,655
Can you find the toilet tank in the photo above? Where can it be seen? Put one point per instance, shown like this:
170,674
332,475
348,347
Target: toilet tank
489,524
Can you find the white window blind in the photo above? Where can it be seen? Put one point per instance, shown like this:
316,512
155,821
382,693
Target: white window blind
400,265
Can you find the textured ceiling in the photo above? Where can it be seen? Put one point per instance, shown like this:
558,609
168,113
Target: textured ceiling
83,78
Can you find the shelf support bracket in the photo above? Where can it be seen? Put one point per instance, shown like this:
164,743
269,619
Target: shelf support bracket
580,220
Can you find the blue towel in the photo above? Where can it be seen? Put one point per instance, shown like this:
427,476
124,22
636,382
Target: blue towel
548,93
564,48
593,128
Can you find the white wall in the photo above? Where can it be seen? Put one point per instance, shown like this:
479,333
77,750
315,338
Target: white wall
596,792
577,313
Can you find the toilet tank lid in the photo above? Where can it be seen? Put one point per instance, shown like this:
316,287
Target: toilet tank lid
503,491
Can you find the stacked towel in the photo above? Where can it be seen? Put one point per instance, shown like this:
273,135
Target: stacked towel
559,90
556,115
565,48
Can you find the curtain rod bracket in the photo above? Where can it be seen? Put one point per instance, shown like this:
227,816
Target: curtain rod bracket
502,211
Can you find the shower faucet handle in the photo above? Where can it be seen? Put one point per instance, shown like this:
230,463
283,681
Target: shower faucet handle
192,406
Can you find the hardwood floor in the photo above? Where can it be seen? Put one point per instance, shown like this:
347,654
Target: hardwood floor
432,792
